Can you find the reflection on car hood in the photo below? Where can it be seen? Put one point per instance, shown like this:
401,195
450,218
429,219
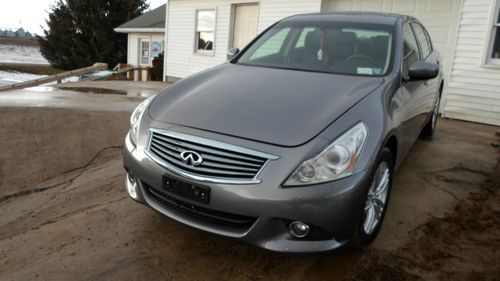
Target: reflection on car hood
277,106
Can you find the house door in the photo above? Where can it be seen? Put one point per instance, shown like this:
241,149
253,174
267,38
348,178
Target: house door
245,24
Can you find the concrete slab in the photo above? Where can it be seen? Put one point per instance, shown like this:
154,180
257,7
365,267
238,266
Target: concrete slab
86,95
129,88
67,99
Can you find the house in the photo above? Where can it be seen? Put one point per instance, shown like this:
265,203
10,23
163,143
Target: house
21,33
10,33
465,32
146,37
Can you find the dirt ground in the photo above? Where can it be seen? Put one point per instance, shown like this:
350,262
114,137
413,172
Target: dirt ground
64,214
40,143
464,245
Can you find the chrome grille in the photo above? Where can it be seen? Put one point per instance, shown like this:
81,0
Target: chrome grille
221,163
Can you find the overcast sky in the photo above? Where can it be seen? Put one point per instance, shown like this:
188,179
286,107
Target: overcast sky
31,14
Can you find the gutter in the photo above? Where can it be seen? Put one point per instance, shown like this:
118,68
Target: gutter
139,29
165,53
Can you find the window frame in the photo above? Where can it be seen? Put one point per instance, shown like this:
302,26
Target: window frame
493,23
419,52
162,48
292,38
141,52
286,44
197,51
427,38
150,56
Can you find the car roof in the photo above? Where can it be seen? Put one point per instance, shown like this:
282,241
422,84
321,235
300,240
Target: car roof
358,17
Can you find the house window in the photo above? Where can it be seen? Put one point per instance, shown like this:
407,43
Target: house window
493,55
150,50
205,31
496,37
145,52
156,48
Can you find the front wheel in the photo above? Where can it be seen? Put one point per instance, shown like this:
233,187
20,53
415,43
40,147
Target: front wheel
376,201
430,127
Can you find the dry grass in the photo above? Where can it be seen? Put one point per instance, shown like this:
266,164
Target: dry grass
30,68
19,41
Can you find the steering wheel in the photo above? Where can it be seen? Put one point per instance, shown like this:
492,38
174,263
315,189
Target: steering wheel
363,58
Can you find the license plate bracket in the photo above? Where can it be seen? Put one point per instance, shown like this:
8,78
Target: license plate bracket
190,191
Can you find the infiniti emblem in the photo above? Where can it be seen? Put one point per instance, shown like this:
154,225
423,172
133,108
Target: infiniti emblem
191,158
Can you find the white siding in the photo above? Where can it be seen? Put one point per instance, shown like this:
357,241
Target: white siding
273,10
134,41
182,61
473,90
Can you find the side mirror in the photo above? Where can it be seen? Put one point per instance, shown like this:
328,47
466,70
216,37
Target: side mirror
423,71
231,53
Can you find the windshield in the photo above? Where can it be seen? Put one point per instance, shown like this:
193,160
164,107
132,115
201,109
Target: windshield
342,48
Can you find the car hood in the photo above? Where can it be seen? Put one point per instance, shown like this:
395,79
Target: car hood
276,106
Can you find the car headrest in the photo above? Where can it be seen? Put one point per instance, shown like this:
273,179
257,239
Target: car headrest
313,41
346,37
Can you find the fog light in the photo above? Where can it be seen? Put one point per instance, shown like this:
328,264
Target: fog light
298,229
131,184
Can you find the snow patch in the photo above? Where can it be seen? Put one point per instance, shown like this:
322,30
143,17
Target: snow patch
12,77
21,54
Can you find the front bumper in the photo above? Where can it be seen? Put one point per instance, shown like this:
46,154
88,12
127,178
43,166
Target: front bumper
258,214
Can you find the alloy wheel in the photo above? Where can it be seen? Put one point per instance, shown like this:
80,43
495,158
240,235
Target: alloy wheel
377,198
435,114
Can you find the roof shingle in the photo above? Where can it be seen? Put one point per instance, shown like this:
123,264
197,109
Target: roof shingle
151,19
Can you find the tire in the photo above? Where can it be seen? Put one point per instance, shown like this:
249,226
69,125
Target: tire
372,217
430,127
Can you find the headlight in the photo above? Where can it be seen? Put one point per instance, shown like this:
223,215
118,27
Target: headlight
335,162
136,117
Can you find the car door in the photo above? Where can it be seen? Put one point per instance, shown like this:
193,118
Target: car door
427,99
411,92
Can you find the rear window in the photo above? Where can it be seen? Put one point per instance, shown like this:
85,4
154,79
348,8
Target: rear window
342,48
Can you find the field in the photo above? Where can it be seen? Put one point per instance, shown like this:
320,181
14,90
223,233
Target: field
25,53
21,60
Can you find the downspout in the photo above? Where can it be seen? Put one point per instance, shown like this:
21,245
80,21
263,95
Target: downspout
165,53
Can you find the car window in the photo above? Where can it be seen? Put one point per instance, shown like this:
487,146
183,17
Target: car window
302,38
423,40
410,50
342,48
429,40
273,45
